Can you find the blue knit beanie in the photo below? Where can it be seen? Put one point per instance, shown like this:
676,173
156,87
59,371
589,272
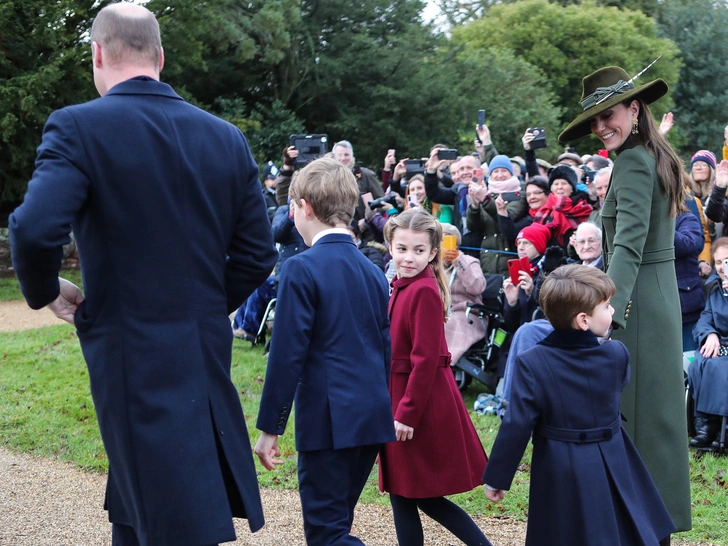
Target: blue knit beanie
500,161
705,156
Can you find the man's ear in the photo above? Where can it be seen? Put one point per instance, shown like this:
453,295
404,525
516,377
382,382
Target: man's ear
96,55
581,321
161,58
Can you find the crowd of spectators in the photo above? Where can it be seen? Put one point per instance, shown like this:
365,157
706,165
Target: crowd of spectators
502,208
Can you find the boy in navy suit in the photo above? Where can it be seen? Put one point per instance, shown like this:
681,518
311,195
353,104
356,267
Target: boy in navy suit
331,349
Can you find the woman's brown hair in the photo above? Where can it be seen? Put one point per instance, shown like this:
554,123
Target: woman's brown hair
668,164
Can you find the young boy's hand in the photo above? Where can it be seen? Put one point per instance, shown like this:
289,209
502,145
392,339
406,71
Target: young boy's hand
266,448
494,495
403,432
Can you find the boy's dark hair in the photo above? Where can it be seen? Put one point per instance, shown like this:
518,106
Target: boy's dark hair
572,289
330,188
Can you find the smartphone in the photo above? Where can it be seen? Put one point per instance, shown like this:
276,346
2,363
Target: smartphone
478,176
603,153
539,138
390,151
516,266
510,195
449,242
412,200
481,122
447,154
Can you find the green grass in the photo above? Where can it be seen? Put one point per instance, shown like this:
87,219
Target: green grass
10,289
46,409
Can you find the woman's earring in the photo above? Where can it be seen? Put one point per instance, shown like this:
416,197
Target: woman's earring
635,130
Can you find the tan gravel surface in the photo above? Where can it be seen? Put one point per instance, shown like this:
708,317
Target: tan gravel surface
49,503
16,315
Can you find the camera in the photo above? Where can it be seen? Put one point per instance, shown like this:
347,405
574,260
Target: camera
376,203
539,138
589,174
309,147
447,154
413,167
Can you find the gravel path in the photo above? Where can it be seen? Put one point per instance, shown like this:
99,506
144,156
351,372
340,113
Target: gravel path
44,502
49,503
16,315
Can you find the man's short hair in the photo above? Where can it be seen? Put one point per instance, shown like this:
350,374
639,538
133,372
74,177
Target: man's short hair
330,188
345,144
605,170
572,289
599,162
584,225
127,39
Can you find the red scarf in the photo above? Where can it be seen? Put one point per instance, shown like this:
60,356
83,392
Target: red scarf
563,213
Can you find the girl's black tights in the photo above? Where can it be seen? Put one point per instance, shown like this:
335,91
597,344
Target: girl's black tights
453,518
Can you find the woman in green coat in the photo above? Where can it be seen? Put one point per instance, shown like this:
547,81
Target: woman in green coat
638,220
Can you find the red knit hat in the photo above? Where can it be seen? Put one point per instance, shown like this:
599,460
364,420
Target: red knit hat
537,234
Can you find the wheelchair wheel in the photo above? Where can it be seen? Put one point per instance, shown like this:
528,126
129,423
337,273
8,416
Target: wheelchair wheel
462,380
689,410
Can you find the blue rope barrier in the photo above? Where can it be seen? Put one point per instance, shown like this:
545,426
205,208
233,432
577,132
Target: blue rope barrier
488,250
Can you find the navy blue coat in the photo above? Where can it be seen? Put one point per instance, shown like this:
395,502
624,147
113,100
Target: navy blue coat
172,233
286,235
689,241
708,377
592,488
331,349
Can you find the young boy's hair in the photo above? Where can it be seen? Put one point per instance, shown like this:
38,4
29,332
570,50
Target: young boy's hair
419,220
330,188
572,289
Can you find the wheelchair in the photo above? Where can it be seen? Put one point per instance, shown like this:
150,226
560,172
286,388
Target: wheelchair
481,358
690,413
262,336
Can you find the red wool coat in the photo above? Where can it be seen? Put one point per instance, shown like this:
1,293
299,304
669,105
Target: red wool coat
445,455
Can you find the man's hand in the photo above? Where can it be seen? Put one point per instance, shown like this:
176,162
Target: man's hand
68,300
526,139
494,495
434,163
400,170
484,135
666,123
511,291
478,192
721,174
289,156
389,160
266,448
403,432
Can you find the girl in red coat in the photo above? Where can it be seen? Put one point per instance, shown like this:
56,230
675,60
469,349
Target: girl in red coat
437,452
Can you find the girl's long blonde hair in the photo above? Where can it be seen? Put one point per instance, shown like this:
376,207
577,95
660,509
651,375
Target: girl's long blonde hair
421,221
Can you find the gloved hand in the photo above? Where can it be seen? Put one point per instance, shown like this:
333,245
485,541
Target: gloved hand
553,258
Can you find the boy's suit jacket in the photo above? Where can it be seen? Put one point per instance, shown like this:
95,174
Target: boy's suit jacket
331,348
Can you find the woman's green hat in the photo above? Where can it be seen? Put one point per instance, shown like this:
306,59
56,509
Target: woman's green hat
603,89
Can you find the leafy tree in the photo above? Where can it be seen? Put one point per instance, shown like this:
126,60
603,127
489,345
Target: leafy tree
459,12
567,43
515,95
44,65
700,28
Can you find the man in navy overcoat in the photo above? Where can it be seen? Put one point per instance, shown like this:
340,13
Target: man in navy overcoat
173,235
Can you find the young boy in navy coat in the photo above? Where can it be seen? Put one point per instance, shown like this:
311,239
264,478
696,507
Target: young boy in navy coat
331,348
588,484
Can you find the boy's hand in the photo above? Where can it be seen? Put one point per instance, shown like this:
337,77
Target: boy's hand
266,448
403,432
494,495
